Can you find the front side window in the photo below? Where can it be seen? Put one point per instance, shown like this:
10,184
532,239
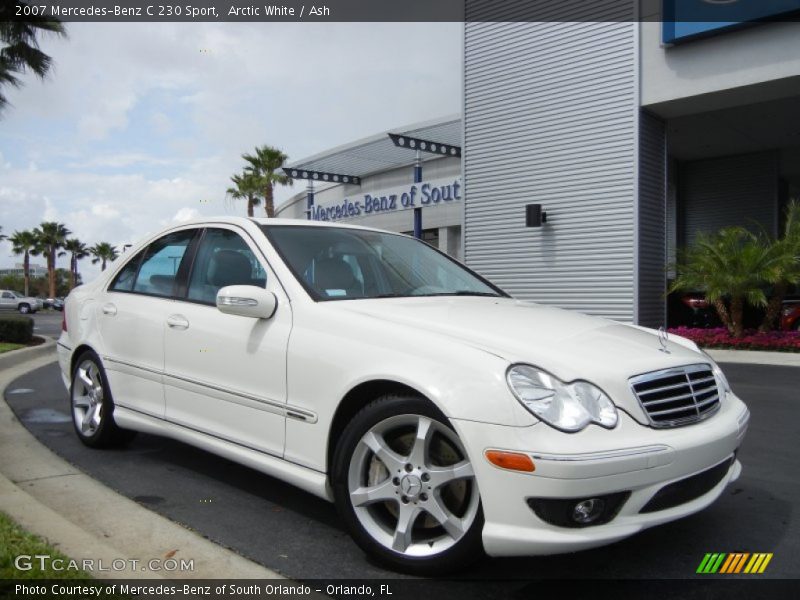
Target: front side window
338,263
158,272
223,258
9,295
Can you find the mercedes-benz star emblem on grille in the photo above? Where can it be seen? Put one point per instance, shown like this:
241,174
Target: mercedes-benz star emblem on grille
663,337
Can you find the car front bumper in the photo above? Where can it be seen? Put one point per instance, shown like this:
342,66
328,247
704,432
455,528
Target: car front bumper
596,462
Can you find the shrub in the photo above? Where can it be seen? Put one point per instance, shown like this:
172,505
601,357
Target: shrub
16,330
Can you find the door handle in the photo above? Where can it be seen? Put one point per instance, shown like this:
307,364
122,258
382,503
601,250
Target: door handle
109,309
177,322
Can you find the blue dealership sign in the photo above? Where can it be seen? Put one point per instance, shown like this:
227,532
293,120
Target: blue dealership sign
412,195
685,20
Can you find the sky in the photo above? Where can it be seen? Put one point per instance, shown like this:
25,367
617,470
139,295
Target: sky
140,125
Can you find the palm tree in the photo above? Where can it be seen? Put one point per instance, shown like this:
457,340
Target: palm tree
77,250
265,164
103,252
20,48
2,237
731,267
51,237
786,251
25,243
246,187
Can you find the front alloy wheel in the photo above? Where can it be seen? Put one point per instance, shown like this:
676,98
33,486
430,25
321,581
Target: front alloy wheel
407,488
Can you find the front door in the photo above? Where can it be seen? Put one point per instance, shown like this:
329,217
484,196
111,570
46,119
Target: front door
225,375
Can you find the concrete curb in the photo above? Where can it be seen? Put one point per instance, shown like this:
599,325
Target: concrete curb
756,357
17,357
86,520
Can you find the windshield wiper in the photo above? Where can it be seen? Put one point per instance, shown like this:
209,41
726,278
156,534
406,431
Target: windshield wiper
458,293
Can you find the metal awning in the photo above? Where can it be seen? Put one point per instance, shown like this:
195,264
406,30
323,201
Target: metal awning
378,153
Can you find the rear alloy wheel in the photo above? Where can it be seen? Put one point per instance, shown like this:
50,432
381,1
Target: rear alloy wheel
93,407
407,489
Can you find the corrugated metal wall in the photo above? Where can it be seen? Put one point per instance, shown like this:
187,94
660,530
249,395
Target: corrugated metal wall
734,190
551,116
652,243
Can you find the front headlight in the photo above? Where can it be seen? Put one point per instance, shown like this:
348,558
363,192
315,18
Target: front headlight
722,381
566,406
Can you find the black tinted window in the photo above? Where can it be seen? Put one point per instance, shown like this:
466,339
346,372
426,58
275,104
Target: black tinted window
159,268
123,282
223,258
339,264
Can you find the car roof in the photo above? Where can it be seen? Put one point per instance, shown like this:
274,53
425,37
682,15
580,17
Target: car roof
282,222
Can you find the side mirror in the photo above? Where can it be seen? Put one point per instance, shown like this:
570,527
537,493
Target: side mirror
247,301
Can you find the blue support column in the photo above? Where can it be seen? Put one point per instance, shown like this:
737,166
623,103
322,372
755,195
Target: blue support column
418,210
309,199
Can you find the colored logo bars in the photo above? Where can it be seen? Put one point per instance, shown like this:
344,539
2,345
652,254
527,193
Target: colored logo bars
735,562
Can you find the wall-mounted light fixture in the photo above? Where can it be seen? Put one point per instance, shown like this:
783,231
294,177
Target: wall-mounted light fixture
534,215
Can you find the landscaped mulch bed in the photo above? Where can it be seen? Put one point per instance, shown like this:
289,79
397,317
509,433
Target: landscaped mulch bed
775,341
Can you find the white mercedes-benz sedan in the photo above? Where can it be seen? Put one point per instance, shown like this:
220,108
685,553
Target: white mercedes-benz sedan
443,417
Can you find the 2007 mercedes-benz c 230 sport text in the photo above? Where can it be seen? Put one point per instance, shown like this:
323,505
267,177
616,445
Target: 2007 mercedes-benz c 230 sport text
443,417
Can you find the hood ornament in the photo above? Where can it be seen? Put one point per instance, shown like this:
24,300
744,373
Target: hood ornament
663,338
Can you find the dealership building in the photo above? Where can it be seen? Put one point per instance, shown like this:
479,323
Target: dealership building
630,134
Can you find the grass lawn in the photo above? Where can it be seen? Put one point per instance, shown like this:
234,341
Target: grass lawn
5,346
15,541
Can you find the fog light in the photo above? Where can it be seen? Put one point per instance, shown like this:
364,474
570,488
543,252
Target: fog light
588,511
578,512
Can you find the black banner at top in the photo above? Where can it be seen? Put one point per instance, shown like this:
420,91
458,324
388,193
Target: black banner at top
713,11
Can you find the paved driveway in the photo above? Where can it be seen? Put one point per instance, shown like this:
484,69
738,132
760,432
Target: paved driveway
300,536
47,322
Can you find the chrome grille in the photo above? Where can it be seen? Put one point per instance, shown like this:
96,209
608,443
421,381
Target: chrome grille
677,396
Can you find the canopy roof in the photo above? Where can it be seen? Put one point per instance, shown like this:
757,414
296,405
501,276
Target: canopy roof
378,153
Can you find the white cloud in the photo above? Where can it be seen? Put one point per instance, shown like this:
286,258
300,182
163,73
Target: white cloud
137,128
105,211
186,214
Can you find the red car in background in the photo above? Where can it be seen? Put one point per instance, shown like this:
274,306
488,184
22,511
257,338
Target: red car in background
790,317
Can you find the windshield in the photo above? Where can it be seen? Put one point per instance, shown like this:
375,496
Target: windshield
342,264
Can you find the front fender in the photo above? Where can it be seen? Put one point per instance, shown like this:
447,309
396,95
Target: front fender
328,358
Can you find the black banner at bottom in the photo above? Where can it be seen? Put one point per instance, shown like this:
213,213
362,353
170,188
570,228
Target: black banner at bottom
398,589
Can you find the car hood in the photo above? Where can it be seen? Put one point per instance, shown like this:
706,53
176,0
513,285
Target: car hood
568,344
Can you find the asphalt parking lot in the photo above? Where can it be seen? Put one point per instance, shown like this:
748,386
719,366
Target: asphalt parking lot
47,322
300,536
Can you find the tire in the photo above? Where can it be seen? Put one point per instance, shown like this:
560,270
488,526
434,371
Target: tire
92,406
24,308
411,502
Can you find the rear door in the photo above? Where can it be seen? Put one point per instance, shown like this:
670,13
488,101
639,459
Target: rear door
132,315
225,375
8,300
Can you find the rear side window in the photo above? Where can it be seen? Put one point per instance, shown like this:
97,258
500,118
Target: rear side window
223,258
123,282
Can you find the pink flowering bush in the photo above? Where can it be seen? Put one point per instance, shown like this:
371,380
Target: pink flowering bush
777,341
